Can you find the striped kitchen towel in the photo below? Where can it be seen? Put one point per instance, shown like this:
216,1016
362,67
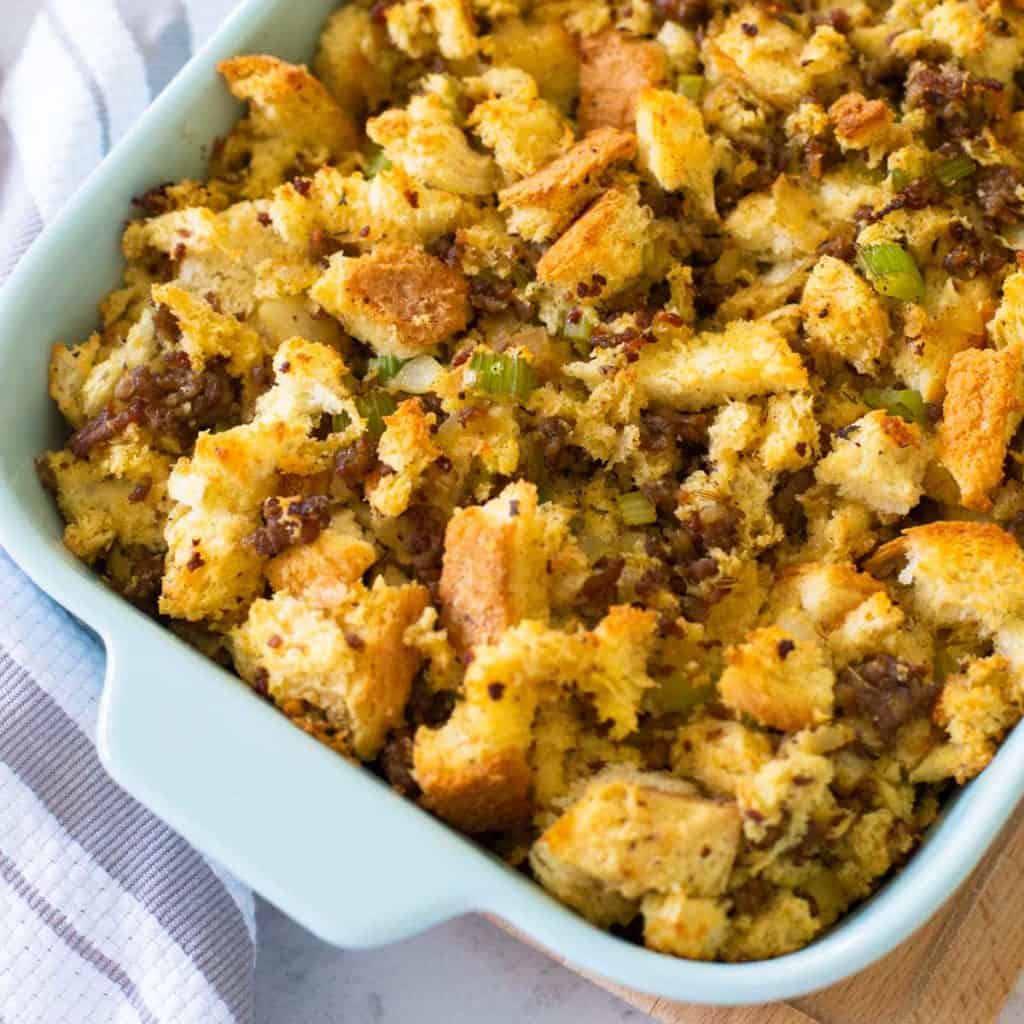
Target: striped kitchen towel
105,914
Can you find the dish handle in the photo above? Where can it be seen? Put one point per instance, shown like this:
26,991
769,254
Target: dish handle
324,840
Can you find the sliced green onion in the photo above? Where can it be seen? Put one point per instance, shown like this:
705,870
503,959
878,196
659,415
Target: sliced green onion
501,374
636,510
385,367
341,421
893,271
900,179
373,408
903,402
954,170
377,163
691,86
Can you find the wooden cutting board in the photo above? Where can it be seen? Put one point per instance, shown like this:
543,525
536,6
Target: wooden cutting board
958,969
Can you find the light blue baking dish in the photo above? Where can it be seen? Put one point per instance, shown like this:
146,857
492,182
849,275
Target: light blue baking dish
325,841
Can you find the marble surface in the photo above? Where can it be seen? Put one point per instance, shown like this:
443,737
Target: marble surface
464,972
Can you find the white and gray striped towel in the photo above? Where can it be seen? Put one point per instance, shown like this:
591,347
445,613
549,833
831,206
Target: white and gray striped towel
105,914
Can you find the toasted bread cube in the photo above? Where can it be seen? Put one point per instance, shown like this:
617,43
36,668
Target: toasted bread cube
953,319
744,360
210,571
824,591
546,50
398,299
674,147
693,927
424,140
606,245
524,133
844,316
613,71
323,571
495,571
291,114
961,572
421,27
352,60
718,754
634,833
406,447
350,663
778,680
1007,326
782,926
880,461
475,771
783,223
117,495
541,206
207,334
984,406
285,99
977,708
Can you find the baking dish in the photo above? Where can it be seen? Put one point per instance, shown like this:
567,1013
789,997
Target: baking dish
325,840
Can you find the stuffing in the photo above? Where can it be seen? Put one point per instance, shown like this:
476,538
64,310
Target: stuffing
744,360
324,570
674,148
475,771
952,319
843,316
781,682
352,60
424,140
983,407
603,250
291,117
879,460
207,334
719,753
602,422
613,71
976,708
407,449
694,927
546,51
496,565
349,662
398,299
862,124
117,495
781,223
634,834
523,131
422,27
542,205
959,572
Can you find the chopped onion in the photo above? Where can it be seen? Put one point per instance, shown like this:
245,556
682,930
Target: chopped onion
893,271
417,376
636,510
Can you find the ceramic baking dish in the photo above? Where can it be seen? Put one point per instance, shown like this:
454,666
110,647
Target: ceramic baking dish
327,841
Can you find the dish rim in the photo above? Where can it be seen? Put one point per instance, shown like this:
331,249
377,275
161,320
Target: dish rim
467,878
